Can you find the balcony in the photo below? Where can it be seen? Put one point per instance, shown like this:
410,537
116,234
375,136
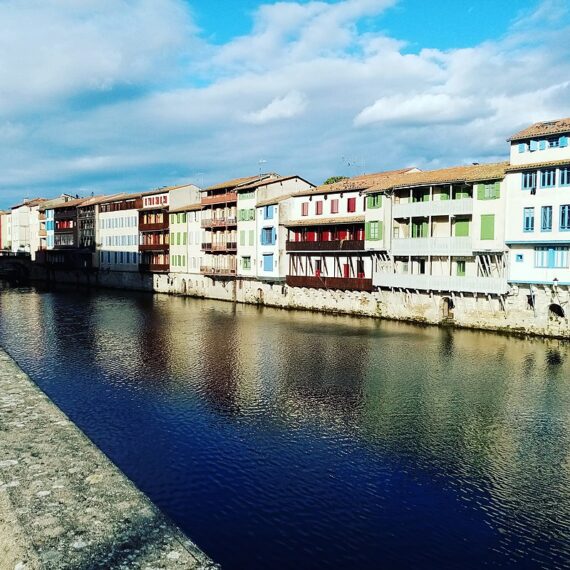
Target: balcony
154,267
219,271
156,227
220,222
219,198
220,247
433,246
336,245
341,283
484,285
154,247
462,207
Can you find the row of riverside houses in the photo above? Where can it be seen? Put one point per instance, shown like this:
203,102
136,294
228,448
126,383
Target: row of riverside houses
484,244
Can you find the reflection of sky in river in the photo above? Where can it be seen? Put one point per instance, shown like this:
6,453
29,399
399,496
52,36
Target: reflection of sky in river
287,439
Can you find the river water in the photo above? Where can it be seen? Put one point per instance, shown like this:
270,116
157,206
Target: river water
295,440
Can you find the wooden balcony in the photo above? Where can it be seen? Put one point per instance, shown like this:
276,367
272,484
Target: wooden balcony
219,198
154,247
157,227
336,245
219,223
154,267
230,246
341,283
217,271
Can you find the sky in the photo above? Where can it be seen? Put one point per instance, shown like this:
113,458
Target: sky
104,96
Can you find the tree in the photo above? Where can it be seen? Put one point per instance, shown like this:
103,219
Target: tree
334,179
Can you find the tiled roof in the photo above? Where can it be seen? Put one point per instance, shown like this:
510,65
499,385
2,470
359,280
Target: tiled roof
542,129
70,203
267,181
30,203
187,208
455,174
357,218
119,197
235,182
519,167
273,201
361,182
164,189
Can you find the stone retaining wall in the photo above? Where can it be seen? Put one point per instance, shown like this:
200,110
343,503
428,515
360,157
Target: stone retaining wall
63,504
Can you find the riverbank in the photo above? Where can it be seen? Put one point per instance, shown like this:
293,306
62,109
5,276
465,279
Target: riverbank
63,504
541,312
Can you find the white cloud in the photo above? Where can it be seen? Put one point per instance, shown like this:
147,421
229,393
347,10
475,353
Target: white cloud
291,105
116,95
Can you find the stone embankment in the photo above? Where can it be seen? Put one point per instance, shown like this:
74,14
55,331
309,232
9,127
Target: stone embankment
63,504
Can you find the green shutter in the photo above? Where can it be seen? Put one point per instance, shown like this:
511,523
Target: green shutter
460,268
367,227
461,228
497,193
251,237
480,191
242,237
488,226
370,202
444,195
252,214
425,229
425,197
380,227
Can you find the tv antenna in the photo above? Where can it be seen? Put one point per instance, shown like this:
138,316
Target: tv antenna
260,164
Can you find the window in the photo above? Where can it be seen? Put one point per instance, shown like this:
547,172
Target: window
318,207
305,209
268,236
374,201
546,218
460,268
551,257
548,178
565,217
522,147
268,213
529,180
246,262
268,262
334,206
519,258
528,219
564,176
351,205
489,191
373,230
488,226
553,142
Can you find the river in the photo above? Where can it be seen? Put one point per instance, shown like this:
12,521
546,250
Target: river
283,439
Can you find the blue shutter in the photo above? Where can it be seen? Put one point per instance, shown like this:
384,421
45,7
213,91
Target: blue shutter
533,145
273,236
522,147
542,145
563,142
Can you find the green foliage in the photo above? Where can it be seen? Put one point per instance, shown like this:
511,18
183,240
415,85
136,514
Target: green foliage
334,179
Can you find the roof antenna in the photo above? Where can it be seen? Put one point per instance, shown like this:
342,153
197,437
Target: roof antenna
261,163
355,163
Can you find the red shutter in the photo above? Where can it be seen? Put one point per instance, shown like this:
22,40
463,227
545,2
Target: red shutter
352,204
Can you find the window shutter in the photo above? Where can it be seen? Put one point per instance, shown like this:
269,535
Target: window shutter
522,147
367,228
370,202
488,226
542,145
533,145
252,214
273,236
563,142
480,191
497,193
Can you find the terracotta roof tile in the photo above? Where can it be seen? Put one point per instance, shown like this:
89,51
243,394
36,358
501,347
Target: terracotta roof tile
542,129
455,174
361,182
273,201
267,181
187,208
519,167
235,182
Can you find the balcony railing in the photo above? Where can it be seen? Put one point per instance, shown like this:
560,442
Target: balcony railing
433,208
158,226
433,246
484,285
155,267
154,247
219,222
219,198
228,246
336,245
209,270
342,283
